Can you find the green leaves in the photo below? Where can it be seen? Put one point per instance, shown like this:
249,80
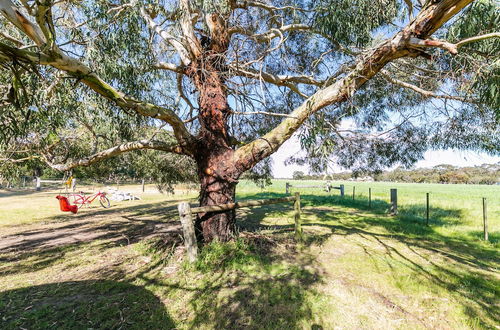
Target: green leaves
478,61
482,17
353,23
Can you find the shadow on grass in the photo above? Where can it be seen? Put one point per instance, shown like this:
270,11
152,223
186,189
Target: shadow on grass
414,212
258,284
470,258
18,192
37,249
83,305
252,283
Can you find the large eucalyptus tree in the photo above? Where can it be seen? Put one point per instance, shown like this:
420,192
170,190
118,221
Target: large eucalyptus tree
227,82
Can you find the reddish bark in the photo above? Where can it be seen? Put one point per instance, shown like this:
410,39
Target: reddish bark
217,189
214,155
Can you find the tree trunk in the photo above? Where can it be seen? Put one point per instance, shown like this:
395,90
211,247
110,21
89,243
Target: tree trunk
218,177
221,225
217,170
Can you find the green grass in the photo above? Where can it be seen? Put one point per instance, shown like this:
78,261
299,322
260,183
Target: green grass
454,209
358,267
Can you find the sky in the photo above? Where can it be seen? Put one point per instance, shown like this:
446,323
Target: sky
431,158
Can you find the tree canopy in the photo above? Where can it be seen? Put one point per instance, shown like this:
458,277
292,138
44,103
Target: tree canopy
438,99
225,83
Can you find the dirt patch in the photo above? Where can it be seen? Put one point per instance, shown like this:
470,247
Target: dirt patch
85,230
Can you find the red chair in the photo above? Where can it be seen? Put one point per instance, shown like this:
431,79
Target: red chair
65,205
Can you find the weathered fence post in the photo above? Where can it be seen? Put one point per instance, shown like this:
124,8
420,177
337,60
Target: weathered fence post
38,184
369,197
188,231
328,187
341,190
394,201
287,186
73,184
24,182
427,209
298,225
485,220
142,185
353,192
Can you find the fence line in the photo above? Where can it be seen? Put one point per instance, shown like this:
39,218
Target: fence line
485,220
328,187
39,181
370,198
393,210
394,201
186,218
427,203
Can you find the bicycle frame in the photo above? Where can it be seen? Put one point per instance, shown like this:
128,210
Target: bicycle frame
87,200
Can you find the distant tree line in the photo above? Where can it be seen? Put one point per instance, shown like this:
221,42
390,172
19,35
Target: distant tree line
484,174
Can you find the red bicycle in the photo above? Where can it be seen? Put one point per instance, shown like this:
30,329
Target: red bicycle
80,199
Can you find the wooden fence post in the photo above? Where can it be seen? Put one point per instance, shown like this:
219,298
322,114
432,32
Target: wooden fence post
341,190
287,186
353,192
485,220
427,209
369,197
298,225
38,184
24,182
142,185
188,231
394,201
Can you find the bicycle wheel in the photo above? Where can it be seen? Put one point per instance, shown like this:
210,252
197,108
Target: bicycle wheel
104,202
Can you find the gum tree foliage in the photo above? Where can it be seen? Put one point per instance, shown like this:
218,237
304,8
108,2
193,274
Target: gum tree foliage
222,84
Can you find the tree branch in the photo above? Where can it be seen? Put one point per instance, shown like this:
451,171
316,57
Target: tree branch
19,160
115,151
425,93
6,36
264,113
478,38
451,47
271,34
193,43
170,39
16,17
270,8
278,80
79,70
170,67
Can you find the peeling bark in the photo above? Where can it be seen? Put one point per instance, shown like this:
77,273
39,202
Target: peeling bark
214,157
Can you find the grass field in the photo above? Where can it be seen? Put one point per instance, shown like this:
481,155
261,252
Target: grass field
359,268
454,209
